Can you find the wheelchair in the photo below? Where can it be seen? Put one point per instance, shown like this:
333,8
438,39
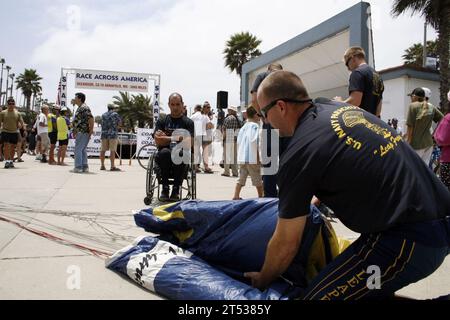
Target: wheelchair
154,181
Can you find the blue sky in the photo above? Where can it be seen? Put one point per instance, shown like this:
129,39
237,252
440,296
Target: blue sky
182,40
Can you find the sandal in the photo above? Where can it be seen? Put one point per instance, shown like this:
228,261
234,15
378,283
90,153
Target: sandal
115,169
208,171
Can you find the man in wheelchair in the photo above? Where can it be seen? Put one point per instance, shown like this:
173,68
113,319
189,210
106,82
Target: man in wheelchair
173,137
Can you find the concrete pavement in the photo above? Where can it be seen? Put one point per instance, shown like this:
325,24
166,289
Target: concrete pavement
95,210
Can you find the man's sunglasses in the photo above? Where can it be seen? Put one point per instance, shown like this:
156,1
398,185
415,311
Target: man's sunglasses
263,112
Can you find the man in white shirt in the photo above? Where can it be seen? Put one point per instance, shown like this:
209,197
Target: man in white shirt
200,131
42,130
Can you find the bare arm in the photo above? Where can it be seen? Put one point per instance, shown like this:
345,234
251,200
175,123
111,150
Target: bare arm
281,250
91,125
355,98
161,139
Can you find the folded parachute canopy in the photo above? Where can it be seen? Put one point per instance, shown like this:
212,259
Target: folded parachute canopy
204,248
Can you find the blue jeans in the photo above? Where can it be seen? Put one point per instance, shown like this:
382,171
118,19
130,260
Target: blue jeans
81,143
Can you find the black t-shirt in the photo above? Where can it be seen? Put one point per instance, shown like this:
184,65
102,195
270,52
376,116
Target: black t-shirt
366,80
259,78
359,167
168,125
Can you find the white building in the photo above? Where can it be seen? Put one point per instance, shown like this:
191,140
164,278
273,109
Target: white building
401,81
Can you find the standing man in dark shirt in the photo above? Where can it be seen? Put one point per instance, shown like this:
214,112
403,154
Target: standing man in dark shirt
375,183
269,180
365,86
171,130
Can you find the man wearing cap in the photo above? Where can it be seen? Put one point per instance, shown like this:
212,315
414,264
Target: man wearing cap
365,85
42,129
421,115
370,178
111,122
230,131
10,122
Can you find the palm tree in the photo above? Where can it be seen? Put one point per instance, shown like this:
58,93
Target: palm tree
143,110
414,54
437,14
241,48
125,104
29,83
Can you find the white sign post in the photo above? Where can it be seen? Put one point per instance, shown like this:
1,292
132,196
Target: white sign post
145,137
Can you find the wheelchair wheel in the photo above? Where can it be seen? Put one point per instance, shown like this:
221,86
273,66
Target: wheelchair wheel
151,180
193,184
147,201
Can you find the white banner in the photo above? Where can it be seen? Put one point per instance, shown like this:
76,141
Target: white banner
94,147
62,92
111,80
144,137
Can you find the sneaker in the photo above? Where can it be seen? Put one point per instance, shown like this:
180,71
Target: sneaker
44,159
6,165
164,194
76,170
39,157
175,196
86,170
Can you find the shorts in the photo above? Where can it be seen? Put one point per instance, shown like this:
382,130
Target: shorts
63,142
109,144
45,142
254,170
10,138
53,137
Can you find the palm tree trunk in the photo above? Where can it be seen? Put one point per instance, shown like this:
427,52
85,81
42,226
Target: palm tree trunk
443,51
28,102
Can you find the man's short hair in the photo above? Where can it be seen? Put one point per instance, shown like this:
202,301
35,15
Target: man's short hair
198,107
283,84
251,112
44,106
175,94
354,52
274,67
10,99
81,96
111,106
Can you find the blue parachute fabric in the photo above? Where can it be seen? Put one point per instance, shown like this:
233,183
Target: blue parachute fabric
186,277
233,235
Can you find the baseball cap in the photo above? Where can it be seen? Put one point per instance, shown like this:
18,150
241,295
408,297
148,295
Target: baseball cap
233,108
427,93
418,92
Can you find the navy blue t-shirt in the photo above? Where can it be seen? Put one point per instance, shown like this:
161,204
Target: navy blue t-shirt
366,80
361,168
